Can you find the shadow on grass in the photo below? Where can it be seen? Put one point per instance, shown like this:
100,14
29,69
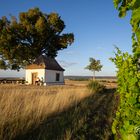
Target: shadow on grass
91,119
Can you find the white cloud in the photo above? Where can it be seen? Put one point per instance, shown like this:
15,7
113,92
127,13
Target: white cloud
66,64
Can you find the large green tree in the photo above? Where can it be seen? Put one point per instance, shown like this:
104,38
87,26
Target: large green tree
94,65
32,34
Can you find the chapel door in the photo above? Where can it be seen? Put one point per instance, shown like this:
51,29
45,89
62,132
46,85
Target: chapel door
34,78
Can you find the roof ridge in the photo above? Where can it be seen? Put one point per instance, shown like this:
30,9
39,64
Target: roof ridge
48,62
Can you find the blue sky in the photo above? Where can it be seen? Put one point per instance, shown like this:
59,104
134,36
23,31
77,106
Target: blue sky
95,24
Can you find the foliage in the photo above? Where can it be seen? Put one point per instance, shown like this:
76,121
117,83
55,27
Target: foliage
128,114
95,65
95,87
33,34
134,6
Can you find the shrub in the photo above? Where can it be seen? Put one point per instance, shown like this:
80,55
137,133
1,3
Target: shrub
95,86
127,121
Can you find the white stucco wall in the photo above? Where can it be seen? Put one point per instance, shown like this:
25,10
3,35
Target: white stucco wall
50,76
28,74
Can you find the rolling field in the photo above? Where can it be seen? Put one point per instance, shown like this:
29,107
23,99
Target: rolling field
55,112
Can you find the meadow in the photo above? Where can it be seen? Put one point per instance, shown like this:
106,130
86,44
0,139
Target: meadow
64,112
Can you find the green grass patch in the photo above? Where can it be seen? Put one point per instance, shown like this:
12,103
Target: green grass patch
95,87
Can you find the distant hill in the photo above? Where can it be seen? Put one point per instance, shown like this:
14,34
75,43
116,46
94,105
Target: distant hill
89,77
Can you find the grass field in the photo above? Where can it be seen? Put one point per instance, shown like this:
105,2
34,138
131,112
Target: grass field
109,83
65,112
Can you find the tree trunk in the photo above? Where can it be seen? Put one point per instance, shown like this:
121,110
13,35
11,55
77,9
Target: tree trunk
94,76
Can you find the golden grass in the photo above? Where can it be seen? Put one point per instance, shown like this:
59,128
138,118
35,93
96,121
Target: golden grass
25,107
109,83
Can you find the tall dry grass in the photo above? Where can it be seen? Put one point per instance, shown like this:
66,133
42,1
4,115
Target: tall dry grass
23,108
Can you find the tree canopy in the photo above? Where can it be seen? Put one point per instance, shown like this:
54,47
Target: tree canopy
32,34
95,65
